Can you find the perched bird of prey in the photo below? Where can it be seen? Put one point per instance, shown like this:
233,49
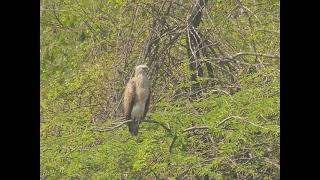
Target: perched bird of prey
136,98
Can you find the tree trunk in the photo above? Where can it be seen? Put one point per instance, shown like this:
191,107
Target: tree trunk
195,47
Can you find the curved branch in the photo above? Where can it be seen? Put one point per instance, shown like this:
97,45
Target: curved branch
226,119
109,128
161,124
172,143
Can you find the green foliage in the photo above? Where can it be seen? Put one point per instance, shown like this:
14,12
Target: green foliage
88,49
248,146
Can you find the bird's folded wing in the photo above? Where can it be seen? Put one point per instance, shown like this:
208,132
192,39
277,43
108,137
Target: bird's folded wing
129,98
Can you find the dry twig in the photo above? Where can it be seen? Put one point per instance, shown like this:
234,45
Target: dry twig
109,128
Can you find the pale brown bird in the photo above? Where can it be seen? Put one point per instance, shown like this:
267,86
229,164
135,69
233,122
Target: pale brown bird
137,98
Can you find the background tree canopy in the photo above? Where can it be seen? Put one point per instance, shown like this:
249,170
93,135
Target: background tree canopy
215,108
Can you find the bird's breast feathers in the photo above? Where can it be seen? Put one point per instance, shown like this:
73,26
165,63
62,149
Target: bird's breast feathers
142,92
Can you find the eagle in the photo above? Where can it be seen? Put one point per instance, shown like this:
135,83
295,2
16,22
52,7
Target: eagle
137,98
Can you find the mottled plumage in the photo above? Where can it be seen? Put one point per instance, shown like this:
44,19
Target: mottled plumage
136,98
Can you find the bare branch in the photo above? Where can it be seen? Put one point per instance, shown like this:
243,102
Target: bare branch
254,54
242,118
172,143
270,31
195,127
226,119
255,124
109,128
161,124
57,18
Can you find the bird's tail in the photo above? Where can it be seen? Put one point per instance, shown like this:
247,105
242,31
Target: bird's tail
133,127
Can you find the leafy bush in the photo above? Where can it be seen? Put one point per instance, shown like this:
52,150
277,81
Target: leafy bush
230,130
241,139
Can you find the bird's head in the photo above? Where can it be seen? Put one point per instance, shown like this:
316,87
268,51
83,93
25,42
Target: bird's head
141,70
